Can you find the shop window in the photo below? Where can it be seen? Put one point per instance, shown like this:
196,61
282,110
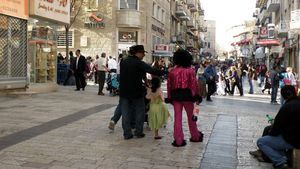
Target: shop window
129,4
61,39
208,45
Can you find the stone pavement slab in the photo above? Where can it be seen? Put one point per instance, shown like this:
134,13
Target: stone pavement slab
68,129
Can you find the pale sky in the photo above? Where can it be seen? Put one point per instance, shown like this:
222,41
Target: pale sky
227,13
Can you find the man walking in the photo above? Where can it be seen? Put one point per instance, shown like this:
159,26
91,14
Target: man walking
101,65
132,91
274,84
210,75
79,68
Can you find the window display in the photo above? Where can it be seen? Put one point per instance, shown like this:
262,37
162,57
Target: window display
42,56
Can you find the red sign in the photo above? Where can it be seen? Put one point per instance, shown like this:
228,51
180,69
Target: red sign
161,48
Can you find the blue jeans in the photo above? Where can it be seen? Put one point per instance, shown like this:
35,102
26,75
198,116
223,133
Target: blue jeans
274,93
274,147
262,80
132,109
117,115
251,86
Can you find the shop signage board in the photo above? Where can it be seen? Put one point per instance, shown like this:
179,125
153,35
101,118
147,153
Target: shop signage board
94,21
15,8
295,19
54,10
127,36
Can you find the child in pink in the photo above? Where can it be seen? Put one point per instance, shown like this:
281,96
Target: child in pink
182,93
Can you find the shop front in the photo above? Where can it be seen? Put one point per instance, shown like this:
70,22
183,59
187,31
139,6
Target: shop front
45,18
13,44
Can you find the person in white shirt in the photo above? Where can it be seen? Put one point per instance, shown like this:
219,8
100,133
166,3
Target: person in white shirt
112,65
101,66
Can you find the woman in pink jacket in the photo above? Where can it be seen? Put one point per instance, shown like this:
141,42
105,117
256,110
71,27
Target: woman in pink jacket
183,92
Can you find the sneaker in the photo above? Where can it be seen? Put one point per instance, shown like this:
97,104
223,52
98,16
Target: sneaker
256,153
282,166
111,125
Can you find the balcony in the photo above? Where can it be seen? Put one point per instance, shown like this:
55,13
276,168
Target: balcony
201,12
190,3
202,28
263,16
191,23
273,5
180,38
180,10
195,28
129,18
190,32
283,29
193,9
184,18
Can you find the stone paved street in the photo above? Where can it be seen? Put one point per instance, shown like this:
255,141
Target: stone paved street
68,129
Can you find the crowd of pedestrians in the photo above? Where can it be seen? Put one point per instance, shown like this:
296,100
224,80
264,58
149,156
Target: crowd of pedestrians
139,87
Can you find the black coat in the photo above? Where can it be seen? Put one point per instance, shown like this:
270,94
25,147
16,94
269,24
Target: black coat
132,73
81,64
287,122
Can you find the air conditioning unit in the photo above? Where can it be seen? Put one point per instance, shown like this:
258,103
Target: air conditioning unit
271,31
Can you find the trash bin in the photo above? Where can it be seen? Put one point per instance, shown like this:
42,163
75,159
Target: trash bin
62,72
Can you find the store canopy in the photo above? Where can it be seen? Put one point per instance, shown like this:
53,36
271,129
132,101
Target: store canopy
163,54
268,42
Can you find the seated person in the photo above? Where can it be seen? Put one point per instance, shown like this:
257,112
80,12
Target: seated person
284,133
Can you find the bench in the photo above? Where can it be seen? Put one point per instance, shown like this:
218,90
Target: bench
296,159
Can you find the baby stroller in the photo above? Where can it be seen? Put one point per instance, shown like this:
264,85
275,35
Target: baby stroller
112,84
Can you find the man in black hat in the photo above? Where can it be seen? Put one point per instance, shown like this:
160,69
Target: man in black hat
132,91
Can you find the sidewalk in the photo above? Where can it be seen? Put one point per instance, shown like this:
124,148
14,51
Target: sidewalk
68,129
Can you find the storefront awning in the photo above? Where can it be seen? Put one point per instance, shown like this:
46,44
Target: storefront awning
268,42
162,54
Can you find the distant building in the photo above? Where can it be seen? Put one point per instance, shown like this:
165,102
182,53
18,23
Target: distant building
210,38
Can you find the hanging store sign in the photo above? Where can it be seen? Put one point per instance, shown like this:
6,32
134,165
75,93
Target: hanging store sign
15,8
55,10
295,19
263,32
158,29
127,36
94,21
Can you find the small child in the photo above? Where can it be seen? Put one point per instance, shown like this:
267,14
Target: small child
158,113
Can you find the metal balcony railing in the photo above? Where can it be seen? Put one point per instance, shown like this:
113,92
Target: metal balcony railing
273,5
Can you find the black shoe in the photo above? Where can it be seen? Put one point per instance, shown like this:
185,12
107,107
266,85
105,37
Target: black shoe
77,90
181,145
140,135
82,89
200,139
128,137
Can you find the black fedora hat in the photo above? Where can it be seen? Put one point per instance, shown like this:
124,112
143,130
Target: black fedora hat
137,48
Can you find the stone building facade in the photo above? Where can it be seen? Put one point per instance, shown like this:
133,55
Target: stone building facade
112,26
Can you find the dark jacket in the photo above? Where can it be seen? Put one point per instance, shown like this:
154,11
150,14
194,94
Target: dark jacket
287,122
132,73
81,64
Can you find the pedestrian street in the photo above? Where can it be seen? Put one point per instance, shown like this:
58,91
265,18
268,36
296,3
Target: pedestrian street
68,129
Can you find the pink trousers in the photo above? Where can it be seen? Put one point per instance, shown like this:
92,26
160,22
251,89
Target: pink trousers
178,133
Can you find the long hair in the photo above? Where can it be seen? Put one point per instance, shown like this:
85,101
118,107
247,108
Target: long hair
155,84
